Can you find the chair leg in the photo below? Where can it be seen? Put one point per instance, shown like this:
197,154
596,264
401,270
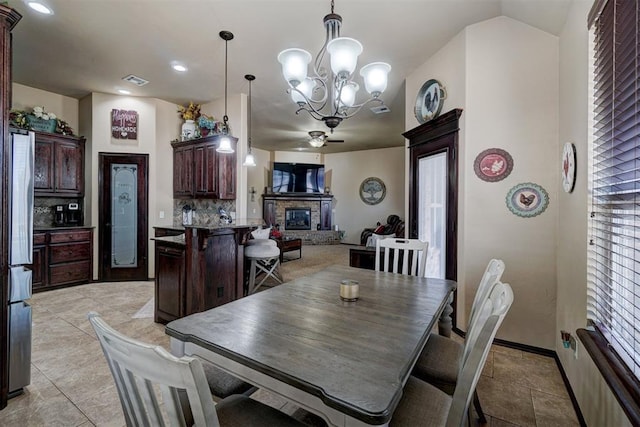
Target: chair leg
476,403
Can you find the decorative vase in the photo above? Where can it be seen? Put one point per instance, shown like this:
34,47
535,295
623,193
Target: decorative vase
188,130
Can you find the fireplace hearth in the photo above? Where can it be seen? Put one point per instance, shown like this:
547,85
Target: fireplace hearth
297,219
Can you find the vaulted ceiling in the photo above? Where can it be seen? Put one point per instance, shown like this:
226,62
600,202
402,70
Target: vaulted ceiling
89,45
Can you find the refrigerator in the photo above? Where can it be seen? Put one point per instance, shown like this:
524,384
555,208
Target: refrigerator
20,256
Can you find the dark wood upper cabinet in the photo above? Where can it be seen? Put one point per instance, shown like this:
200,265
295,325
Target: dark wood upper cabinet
201,172
59,165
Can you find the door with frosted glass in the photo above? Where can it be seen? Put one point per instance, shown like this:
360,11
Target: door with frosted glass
123,217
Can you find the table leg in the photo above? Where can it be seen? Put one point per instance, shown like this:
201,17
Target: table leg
445,323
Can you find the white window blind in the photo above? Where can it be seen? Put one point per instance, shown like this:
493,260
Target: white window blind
614,262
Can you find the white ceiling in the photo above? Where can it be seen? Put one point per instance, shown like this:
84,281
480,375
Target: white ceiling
89,45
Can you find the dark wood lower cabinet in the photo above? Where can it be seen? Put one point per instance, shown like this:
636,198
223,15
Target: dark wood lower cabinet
169,282
62,258
202,271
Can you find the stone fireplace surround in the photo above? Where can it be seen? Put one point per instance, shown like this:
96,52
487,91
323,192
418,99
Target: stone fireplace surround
275,204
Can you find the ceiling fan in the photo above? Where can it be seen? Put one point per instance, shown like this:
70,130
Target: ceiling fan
319,139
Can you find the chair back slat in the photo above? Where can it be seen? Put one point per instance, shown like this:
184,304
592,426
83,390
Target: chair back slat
491,313
413,252
141,371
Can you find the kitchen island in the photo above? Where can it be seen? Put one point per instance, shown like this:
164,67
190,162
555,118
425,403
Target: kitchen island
200,269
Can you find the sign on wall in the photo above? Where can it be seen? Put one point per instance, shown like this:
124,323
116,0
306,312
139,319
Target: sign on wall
124,124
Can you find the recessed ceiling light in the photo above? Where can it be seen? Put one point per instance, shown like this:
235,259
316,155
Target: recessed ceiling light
40,7
124,92
179,67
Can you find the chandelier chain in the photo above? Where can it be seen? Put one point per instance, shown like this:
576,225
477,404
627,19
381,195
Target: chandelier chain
332,4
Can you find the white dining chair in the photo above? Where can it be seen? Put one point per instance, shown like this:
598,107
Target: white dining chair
423,404
440,360
158,389
413,251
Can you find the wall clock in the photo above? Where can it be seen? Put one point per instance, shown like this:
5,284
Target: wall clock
372,191
493,164
568,167
429,101
527,200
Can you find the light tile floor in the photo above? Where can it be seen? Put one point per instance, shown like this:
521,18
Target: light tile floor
71,384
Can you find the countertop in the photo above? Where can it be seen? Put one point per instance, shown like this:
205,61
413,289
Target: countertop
44,229
238,223
179,239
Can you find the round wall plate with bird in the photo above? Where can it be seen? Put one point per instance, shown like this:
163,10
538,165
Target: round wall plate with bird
568,167
429,101
527,200
493,164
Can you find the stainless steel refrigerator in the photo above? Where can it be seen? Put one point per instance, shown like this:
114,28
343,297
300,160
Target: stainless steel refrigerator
20,255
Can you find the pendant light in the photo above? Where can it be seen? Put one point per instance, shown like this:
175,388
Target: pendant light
249,160
225,141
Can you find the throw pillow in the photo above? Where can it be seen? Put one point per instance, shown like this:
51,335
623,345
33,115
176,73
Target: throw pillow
261,233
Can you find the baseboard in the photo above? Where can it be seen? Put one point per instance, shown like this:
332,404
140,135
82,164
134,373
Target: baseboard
542,352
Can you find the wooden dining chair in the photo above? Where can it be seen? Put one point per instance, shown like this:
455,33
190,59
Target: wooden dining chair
440,360
412,251
423,404
157,389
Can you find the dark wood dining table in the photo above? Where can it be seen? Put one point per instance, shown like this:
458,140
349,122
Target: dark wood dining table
345,361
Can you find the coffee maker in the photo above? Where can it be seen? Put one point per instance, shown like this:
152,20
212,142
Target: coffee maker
73,215
59,215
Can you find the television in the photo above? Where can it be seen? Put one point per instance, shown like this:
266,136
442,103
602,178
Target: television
297,178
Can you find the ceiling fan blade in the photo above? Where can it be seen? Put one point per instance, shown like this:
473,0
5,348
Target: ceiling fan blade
335,140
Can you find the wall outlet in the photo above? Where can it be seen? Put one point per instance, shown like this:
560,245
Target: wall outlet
161,215
574,346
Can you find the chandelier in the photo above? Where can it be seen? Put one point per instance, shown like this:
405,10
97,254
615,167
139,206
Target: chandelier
329,94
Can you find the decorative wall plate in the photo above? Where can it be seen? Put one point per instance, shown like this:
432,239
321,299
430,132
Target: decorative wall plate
493,164
429,101
527,200
372,191
568,167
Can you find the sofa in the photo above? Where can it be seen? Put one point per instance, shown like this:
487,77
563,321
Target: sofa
393,227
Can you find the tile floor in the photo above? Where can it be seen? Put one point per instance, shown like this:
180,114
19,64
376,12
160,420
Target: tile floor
71,384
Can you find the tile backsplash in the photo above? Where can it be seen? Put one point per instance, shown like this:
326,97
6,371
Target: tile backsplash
205,211
43,210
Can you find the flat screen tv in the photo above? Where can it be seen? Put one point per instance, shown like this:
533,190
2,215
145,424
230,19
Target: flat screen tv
297,178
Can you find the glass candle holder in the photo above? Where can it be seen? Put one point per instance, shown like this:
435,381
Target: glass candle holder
349,290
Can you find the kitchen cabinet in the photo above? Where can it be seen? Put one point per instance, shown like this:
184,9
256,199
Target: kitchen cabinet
59,165
202,269
169,281
62,258
201,172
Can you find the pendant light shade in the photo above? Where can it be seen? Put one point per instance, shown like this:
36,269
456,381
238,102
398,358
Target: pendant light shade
249,160
225,142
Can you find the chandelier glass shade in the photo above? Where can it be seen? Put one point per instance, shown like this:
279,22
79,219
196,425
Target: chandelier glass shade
329,93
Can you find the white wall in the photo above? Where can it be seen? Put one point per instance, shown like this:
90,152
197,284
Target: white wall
599,406
509,74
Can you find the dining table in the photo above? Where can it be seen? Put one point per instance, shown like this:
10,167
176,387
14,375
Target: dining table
345,361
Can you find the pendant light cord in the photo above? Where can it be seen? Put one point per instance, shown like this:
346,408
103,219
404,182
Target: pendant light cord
225,118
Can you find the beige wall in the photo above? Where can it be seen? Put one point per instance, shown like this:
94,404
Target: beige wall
64,107
598,404
499,88
347,171
258,178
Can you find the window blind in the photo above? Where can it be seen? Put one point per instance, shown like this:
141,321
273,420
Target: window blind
614,261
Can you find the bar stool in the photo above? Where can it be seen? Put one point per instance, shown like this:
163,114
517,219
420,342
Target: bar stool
264,258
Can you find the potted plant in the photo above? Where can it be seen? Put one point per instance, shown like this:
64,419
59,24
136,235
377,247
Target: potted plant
189,114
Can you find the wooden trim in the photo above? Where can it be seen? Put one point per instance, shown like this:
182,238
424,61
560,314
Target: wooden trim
622,382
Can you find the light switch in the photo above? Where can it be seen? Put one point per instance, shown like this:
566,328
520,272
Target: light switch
161,214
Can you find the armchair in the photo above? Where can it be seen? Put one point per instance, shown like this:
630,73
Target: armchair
393,227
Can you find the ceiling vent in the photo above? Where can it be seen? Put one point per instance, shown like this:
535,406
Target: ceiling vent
381,109
138,81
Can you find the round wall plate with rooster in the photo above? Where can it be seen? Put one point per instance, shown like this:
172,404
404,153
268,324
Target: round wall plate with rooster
493,165
527,200
568,167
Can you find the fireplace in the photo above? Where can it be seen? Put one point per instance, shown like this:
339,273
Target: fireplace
297,219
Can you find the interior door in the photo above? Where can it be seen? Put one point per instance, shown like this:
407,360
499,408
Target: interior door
123,217
433,193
